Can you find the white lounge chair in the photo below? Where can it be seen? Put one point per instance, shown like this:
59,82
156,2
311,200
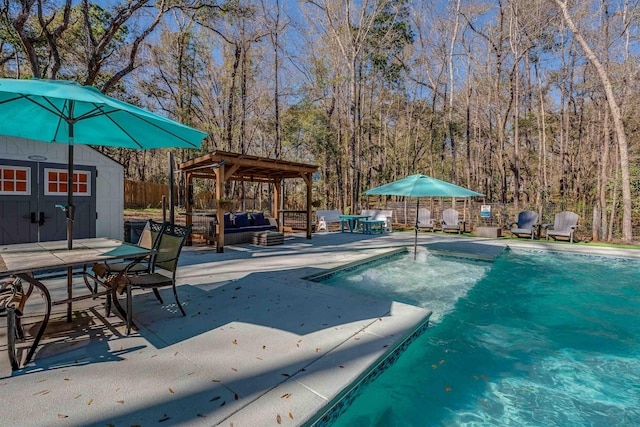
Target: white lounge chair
450,221
327,218
425,220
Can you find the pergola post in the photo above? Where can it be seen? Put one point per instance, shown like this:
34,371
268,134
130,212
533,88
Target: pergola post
188,207
309,182
219,172
277,186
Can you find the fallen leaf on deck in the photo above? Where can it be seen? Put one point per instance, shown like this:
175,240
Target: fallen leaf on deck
119,401
170,390
290,415
214,399
63,416
234,341
484,377
285,396
434,366
442,361
236,396
215,381
201,416
166,418
278,419
90,402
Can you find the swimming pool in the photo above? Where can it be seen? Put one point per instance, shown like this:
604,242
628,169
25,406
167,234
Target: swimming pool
533,339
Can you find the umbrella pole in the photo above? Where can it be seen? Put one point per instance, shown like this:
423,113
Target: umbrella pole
70,211
415,243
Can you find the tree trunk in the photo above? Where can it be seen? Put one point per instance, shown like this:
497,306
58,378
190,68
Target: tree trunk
618,124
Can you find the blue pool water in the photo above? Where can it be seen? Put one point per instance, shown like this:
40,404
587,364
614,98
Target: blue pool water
533,339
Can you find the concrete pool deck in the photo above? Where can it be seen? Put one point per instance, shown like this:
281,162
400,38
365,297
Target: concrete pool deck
259,345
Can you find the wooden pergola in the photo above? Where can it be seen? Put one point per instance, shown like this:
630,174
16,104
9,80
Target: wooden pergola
224,166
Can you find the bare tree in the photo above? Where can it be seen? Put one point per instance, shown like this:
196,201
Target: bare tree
616,116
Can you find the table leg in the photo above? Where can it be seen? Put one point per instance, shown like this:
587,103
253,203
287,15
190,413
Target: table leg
47,297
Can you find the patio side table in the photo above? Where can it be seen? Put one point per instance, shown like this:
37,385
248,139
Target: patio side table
372,226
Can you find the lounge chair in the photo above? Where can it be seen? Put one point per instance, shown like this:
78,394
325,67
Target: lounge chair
327,218
564,225
425,220
12,302
450,221
526,225
169,246
148,240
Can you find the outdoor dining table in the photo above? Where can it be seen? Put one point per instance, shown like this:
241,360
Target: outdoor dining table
352,221
24,260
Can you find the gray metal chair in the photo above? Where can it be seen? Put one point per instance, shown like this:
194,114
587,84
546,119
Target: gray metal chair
450,221
526,225
564,225
424,219
169,247
12,302
149,239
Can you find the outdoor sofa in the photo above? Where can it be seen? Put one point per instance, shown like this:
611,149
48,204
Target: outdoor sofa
239,227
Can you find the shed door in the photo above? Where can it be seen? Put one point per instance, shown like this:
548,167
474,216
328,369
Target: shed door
18,199
32,216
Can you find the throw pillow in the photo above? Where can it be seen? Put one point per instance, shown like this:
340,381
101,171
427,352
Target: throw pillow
228,221
259,219
241,220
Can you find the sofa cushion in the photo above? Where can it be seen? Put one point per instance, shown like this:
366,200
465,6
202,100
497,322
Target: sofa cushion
258,219
241,220
228,220
249,229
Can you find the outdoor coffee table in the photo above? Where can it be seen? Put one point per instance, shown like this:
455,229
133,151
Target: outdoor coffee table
267,238
25,259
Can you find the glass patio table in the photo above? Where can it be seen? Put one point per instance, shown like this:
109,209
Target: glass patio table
24,260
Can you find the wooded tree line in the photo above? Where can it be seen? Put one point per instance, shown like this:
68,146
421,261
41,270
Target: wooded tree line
530,102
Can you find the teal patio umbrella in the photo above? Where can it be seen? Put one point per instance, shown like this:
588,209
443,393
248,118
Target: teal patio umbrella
65,112
421,186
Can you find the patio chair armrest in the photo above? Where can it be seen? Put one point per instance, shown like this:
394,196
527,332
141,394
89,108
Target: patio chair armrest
546,226
573,227
510,224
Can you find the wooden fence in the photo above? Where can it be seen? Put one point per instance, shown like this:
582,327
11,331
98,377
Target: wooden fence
145,194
